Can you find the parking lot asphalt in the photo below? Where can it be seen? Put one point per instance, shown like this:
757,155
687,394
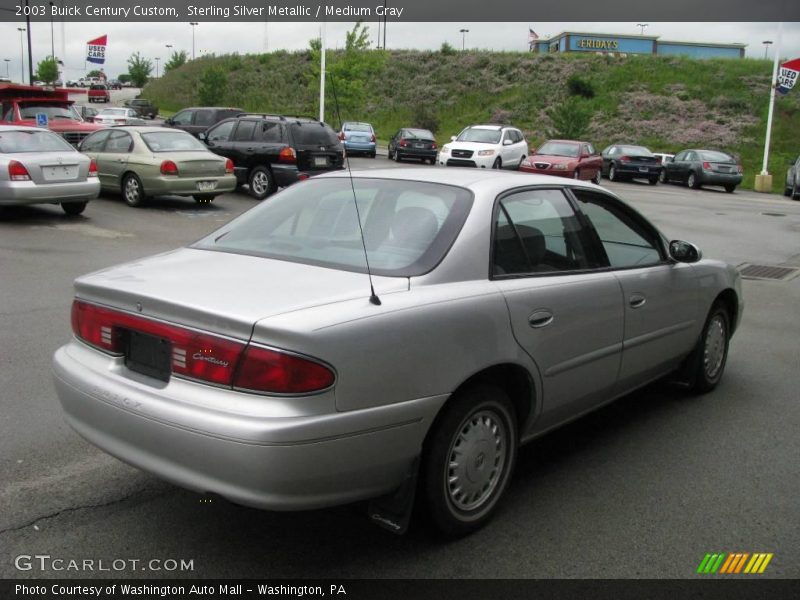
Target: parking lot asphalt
644,487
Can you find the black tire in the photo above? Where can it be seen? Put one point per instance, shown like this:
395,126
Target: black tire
612,173
133,191
787,192
432,161
372,155
795,192
693,181
477,421
653,181
576,174
397,157
707,361
519,164
73,209
598,176
497,164
261,182
662,176
730,188
203,198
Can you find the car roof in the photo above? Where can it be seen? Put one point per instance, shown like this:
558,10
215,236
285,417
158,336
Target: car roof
212,108
152,129
493,127
22,128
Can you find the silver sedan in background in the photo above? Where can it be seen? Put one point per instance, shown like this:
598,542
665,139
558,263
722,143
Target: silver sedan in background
118,116
39,167
271,364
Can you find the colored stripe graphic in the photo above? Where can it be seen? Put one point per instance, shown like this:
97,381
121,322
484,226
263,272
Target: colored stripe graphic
734,563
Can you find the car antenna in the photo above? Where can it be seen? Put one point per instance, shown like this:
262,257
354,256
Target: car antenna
373,296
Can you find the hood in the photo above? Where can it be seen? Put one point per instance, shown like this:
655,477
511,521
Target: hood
222,292
474,146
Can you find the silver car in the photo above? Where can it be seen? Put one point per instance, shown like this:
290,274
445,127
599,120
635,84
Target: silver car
39,167
264,364
118,116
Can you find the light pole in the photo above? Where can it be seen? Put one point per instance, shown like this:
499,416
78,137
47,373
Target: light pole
157,59
8,60
464,33
52,36
766,47
642,27
193,24
21,54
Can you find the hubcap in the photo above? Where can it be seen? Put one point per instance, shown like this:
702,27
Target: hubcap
132,190
691,180
260,183
477,460
611,172
714,348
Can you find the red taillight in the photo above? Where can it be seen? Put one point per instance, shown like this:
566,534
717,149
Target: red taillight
18,172
287,155
341,135
265,370
403,142
433,146
203,356
302,176
93,168
706,166
372,138
169,168
229,166
739,169
625,159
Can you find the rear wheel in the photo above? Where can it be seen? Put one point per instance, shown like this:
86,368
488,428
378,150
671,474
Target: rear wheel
730,188
795,192
612,173
73,208
133,191
662,177
653,180
692,181
468,459
707,361
203,198
262,183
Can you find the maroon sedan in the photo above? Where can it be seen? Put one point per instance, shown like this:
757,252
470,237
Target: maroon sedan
565,158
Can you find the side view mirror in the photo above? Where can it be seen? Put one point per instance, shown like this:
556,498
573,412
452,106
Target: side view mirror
202,136
585,155
684,252
507,142
453,138
169,122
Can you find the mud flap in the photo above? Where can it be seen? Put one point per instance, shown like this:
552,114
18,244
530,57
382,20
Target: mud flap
393,511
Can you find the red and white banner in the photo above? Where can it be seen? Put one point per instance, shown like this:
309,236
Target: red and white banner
96,50
788,75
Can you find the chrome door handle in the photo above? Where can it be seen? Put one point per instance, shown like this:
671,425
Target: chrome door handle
637,301
541,318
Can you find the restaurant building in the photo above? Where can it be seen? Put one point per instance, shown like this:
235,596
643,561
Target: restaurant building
571,41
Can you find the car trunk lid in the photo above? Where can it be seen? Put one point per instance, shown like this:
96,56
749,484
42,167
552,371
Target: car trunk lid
53,167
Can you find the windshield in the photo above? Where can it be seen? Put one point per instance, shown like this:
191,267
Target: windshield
484,136
172,141
559,149
114,111
28,110
712,156
12,142
408,225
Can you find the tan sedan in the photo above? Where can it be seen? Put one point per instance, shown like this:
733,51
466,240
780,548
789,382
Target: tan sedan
142,162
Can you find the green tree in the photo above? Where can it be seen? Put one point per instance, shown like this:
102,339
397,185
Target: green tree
447,49
96,73
47,70
139,69
213,84
350,71
124,78
571,119
178,59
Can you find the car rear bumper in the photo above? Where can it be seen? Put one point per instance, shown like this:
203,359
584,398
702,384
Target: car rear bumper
720,178
423,153
643,171
187,186
187,433
27,192
368,147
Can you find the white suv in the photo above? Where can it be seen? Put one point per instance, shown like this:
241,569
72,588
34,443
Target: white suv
485,146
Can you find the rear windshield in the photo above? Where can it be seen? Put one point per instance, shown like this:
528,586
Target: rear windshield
114,111
487,136
172,141
358,127
313,134
636,150
12,142
422,134
559,149
98,87
712,156
408,225
28,110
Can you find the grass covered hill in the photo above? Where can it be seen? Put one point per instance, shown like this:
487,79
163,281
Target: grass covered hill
665,103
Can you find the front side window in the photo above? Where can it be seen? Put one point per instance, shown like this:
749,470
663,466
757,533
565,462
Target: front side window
183,118
536,231
271,132
222,132
625,239
408,225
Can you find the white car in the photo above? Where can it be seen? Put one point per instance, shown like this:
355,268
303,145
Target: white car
118,116
663,157
485,147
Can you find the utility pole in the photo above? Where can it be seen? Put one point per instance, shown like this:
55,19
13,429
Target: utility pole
464,33
322,73
193,24
21,55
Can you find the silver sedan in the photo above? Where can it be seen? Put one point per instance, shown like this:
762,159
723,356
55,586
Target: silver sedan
118,116
273,364
39,167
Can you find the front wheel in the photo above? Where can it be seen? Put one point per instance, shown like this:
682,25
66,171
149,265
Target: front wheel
468,459
498,164
576,174
730,188
598,176
795,192
612,173
653,180
707,361
73,208
262,183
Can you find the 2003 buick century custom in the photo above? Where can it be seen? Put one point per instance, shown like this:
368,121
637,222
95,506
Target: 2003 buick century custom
256,363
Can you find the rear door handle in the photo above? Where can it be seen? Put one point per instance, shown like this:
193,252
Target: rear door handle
637,300
541,318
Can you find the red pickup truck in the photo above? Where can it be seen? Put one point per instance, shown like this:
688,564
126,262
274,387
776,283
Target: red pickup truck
19,105
99,93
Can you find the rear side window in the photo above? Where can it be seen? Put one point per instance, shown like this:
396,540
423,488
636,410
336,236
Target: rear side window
313,134
271,133
244,132
222,132
119,141
204,117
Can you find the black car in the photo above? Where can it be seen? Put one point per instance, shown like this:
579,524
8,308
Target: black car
792,187
198,119
88,113
704,167
413,143
271,151
624,161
